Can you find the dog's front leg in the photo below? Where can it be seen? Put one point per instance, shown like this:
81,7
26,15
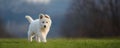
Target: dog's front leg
43,37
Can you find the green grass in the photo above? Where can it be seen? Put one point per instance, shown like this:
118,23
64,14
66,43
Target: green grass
61,43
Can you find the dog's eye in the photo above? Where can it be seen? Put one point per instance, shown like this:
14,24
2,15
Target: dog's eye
46,22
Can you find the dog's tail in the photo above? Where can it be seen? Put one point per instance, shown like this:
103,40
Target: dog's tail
29,18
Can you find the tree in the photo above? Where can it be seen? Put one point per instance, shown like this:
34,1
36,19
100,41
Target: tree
92,18
3,33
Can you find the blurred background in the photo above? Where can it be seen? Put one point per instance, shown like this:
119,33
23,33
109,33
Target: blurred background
70,18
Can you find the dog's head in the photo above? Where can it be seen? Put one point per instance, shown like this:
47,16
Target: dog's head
45,20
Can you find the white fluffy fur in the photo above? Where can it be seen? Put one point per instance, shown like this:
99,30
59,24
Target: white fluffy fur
39,28
29,18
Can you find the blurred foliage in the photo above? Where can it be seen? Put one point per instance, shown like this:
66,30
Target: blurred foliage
92,18
3,33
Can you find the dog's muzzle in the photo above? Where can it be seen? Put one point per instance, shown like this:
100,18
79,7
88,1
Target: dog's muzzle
44,26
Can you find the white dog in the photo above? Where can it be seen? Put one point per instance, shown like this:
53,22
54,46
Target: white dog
39,28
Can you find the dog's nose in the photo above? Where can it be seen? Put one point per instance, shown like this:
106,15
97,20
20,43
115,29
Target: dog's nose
44,26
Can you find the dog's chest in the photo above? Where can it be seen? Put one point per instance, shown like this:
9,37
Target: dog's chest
42,29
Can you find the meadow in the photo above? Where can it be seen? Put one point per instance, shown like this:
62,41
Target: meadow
61,43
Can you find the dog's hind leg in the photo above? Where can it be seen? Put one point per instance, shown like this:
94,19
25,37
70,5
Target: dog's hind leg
30,36
37,38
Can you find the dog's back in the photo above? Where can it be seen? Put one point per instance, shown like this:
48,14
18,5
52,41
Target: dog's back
34,26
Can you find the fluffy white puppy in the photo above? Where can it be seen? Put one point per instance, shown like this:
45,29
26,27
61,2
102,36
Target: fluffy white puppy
39,28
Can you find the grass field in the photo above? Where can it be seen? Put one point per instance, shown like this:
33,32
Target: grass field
61,43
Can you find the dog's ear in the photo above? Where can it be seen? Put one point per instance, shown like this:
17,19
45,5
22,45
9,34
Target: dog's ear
46,16
41,16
